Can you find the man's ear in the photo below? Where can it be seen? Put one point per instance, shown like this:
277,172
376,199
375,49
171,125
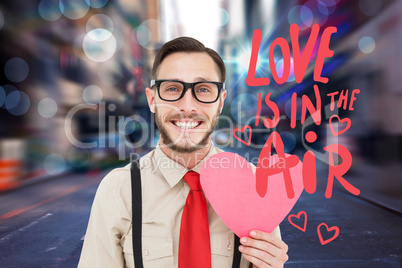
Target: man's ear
222,100
151,99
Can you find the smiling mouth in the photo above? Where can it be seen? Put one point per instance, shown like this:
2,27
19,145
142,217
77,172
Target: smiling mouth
186,124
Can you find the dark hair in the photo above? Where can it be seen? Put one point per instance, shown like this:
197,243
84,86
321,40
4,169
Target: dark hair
187,44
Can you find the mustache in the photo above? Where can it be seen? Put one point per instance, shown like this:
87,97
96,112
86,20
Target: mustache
193,117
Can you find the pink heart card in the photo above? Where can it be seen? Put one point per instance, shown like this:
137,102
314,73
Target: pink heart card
229,184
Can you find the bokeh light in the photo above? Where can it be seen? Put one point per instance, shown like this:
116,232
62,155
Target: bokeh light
112,107
244,107
366,44
99,45
17,102
16,70
49,10
99,34
301,15
143,35
12,100
74,9
279,69
370,7
306,16
320,10
92,94
326,7
99,21
294,15
7,89
224,17
143,32
47,107
54,164
97,3
289,141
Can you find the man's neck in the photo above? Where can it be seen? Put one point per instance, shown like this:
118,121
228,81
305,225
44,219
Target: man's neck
187,160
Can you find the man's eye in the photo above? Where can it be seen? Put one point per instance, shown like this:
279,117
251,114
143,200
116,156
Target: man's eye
171,89
203,90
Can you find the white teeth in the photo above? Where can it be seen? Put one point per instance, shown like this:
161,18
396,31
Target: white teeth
186,125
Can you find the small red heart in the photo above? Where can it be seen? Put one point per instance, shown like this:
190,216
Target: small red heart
242,131
298,217
323,242
345,120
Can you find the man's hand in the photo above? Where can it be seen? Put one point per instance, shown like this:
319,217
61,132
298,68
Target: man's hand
264,249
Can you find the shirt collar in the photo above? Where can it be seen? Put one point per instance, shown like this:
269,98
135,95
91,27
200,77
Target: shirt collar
172,170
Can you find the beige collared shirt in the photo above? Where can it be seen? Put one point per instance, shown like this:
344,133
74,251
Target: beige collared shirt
108,240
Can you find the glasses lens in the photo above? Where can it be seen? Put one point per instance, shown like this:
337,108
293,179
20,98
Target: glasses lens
170,90
206,92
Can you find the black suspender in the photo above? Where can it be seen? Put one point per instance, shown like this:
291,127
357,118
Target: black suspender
137,219
136,212
236,254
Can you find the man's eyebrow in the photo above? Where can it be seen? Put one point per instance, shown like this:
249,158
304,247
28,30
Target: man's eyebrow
197,79
200,79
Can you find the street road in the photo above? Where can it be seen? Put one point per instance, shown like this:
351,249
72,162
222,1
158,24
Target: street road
43,225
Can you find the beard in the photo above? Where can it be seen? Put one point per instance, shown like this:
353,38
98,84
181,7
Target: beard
187,148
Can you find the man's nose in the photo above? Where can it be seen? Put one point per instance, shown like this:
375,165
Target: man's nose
188,102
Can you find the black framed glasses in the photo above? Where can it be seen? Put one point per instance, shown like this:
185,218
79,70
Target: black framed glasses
174,90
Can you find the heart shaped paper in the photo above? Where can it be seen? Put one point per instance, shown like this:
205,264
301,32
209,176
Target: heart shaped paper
230,186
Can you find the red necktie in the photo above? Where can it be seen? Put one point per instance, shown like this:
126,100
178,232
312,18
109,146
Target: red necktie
194,245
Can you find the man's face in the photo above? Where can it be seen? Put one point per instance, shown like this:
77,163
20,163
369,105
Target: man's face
186,125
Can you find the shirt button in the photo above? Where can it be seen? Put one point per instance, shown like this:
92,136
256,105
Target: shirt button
146,252
229,247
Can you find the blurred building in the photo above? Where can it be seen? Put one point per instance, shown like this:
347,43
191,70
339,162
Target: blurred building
73,75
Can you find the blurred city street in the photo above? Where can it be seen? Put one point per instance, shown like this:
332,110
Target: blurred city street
73,75
42,225
47,222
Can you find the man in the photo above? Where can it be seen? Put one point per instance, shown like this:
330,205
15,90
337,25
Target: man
187,95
